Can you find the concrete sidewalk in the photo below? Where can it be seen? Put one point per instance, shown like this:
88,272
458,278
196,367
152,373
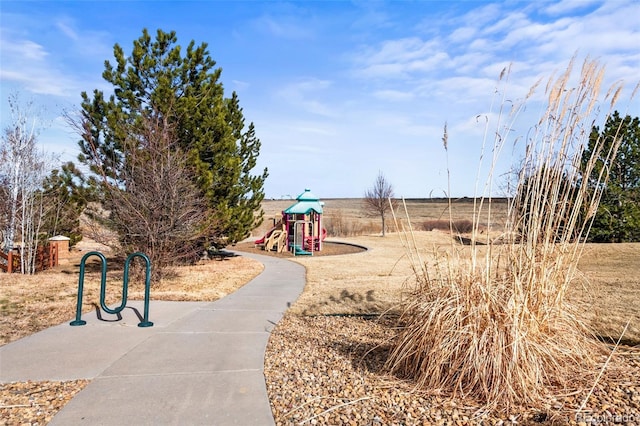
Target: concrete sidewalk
202,363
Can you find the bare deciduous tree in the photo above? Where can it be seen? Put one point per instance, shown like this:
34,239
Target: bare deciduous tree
153,203
377,200
21,173
5,206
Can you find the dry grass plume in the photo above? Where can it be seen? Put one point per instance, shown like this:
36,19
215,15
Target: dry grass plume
493,322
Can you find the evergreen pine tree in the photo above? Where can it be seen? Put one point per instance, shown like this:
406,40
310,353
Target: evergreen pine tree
158,79
618,215
65,198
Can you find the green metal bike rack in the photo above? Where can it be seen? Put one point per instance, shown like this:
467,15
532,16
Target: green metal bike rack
103,287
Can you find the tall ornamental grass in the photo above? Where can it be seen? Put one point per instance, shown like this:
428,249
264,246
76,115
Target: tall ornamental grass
492,321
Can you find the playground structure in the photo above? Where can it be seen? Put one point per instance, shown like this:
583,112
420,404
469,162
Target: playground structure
299,230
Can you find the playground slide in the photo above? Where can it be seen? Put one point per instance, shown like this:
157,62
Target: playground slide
267,235
277,240
298,251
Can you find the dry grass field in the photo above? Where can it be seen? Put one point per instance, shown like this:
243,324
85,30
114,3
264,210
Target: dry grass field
31,303
611,294
345,217
369,282
372,282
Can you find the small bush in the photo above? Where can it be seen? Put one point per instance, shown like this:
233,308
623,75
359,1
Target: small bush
338,226
457,226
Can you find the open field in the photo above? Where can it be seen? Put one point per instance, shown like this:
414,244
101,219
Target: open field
322,355
347,216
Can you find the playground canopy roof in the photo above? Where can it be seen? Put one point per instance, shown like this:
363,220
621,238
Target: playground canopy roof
306,202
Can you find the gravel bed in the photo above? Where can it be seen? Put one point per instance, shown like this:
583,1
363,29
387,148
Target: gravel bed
329,248
35,403
328,370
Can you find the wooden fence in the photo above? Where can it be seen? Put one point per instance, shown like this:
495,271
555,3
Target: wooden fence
46,257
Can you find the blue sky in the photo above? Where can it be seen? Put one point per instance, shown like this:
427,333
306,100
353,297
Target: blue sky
337,90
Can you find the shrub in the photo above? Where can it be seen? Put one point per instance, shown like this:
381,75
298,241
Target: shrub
457,226
338,226
494,323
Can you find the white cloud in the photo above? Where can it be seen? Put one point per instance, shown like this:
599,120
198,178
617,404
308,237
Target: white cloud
86,43
470,62
401,59
509,22
45,70
309,85
26,49
284,26
480,17
565,6
305,94
527,31
28,63
35,81
463,34
382,71
481,45
369,17
393,95
464,88
403,50
67,30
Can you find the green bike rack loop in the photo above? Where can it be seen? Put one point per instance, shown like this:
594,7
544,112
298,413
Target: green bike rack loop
103,287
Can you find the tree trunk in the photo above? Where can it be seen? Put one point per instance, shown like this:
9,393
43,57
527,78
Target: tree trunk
10,232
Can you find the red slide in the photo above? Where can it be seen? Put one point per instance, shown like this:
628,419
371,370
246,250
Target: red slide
261,240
